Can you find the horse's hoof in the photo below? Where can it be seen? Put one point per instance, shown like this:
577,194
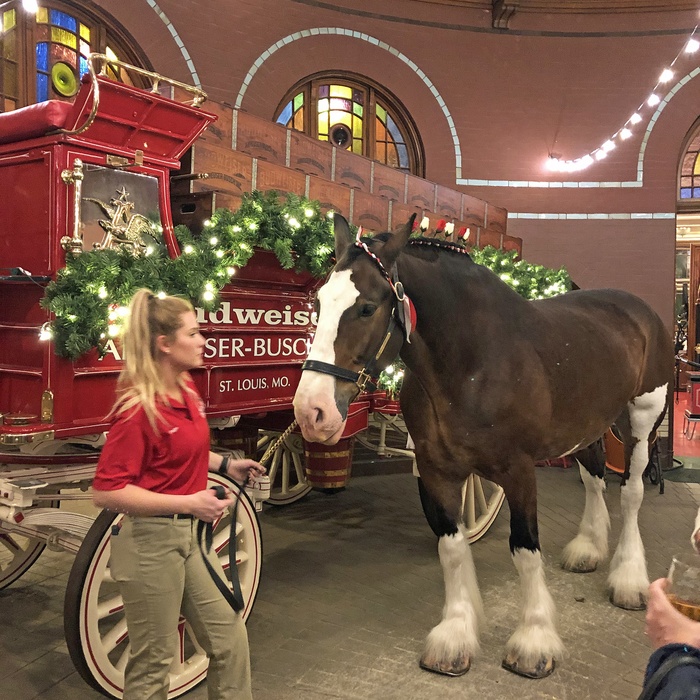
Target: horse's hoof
581,567
637,603
456,667
541,669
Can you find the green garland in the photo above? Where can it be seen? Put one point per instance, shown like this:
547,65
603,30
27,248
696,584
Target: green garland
529,280
90,293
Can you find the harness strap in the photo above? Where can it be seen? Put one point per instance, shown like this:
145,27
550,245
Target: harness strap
205,531
327,368
370,373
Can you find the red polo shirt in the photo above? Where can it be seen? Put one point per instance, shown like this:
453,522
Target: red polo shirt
173,460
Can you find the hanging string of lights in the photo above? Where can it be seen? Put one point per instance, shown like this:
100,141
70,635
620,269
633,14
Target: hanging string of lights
556,164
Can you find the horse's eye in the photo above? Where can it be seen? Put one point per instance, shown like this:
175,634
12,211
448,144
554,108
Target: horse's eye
367,309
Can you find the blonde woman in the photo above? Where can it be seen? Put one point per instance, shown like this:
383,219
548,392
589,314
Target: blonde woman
153,468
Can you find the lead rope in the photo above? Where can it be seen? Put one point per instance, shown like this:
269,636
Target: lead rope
205,531
273,446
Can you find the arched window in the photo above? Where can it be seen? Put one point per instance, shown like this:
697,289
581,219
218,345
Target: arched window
44,54
690,171
353,113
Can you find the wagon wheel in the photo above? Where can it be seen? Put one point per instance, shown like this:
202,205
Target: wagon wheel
94,622
482,503
18,553
285,468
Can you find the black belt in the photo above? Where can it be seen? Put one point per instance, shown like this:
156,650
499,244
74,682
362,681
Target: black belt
177,516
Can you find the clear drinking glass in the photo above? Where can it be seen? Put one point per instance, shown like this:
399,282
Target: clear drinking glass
683,589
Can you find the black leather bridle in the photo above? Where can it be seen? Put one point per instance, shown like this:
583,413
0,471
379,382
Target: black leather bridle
370,372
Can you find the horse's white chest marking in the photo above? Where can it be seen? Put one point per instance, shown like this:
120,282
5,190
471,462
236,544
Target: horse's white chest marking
335,297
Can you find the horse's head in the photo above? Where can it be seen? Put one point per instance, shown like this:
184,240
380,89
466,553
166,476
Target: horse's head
357,335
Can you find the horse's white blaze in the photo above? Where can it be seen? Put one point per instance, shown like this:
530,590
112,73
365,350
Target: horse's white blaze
457,634
314,400
590,546
535,637
628,570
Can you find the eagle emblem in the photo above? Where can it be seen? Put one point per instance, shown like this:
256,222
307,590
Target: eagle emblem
124,227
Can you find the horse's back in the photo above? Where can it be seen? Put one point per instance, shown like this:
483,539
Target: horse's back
609,323
604,304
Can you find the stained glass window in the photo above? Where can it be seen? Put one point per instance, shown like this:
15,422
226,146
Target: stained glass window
292,115
355,115
9,61
340,117
56,42
690,171
57,58
391,145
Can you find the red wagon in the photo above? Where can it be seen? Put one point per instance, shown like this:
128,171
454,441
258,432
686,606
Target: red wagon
73,174
64,168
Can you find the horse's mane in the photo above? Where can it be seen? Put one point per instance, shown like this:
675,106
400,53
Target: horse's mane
421,241
440,245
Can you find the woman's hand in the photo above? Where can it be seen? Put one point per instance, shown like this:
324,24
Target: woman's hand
241,470
664,624
207,507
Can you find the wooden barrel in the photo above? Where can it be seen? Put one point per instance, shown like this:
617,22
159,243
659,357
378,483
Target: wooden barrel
328,466
243,439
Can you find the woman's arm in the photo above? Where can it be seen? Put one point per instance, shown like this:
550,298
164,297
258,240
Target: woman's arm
238,469
134,500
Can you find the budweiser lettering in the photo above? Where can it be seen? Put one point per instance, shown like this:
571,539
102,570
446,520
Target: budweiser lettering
241,334
233,316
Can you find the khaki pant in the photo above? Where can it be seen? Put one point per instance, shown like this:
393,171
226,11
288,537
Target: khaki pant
159,567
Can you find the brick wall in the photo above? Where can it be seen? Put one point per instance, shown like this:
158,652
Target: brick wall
243,152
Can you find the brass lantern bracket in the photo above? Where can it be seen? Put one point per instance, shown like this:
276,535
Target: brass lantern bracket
74,177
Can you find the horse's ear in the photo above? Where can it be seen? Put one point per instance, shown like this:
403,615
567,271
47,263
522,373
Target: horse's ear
395,244
343,235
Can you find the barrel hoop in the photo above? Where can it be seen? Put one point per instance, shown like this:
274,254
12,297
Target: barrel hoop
332,472
328,455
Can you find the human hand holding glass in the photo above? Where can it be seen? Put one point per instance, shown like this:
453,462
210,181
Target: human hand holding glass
683,588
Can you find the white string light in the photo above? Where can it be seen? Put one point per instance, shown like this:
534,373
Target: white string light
30,6
556,164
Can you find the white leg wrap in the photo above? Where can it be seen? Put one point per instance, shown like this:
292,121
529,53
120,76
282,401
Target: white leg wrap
590,546
535,637
628,578
457,634
695,537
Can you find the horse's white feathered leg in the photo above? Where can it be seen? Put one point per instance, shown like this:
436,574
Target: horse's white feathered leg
535,644
452,643
628,579
695,537
590,546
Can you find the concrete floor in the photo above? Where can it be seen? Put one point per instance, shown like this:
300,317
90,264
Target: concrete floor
351,585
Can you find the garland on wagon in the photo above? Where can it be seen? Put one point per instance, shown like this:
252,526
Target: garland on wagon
90,295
